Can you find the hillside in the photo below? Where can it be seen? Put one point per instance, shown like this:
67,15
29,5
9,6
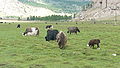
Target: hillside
16,8
67,6
24,8
101,11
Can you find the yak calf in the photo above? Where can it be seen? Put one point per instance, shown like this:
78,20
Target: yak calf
92,42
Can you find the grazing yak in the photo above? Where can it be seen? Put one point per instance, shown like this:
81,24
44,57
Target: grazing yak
31,31
92,42
1,22
51,35
61,39
49,26
18,26
73,30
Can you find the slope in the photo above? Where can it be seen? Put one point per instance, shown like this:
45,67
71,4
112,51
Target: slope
104,11
16,8
67,6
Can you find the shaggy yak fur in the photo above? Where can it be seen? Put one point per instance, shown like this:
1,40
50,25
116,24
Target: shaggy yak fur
51,35
61,39
93,42
73,30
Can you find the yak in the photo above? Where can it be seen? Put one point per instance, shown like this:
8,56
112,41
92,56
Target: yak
49,26
18,26
92,42
31,31
61,39
73,30
51,35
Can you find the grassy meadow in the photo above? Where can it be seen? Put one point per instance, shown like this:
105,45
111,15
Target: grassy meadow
17,51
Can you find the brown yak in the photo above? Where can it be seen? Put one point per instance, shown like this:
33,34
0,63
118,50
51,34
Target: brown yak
61,39
92,42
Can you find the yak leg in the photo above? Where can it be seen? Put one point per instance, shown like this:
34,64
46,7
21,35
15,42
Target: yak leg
98,46
92,46
76,32
60,46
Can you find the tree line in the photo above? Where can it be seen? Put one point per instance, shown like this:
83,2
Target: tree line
50,18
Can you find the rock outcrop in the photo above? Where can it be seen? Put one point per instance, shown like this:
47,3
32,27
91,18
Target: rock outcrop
101,10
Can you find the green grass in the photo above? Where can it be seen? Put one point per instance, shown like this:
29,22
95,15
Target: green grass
17,51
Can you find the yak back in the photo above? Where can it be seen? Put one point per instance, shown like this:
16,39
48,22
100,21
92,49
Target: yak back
28,29
49,26
31,29
73,29
94,41
51,35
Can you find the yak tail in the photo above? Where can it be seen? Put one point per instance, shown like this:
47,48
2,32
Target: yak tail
61,39
37,31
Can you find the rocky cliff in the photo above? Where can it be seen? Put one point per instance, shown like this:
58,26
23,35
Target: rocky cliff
101,10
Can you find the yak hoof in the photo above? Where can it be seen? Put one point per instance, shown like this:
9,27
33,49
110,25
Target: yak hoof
87,45
98,48
114,54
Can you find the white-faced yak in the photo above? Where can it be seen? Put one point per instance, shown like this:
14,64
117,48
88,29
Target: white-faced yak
61,39
31,31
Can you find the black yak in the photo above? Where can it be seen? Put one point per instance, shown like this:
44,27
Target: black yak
51,35
49,26
73,30
61,39
18,26
92,42
1,22
31,31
